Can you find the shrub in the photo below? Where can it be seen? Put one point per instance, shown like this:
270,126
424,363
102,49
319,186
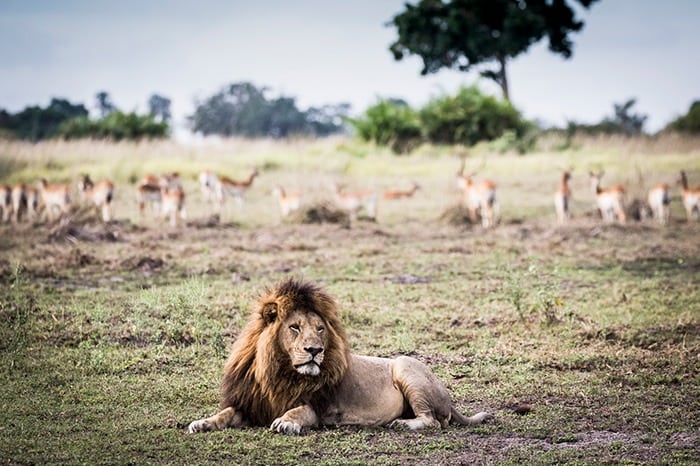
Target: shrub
688,123
469,117
392,123
115,126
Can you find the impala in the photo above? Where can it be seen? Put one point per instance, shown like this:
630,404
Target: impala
610,201
100,194
5,202
215,188
689,196
562,198
148,190
479,197
55,199
288,202
352,202
659,200
173,204
24,202
399,194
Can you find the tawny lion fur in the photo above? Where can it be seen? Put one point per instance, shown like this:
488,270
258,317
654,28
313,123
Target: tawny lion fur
291,369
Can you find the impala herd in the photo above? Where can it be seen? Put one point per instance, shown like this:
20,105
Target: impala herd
164,197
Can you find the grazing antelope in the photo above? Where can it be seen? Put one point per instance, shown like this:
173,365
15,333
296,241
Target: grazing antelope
24,202
610,201
215,188
480,197
100,195
398,194
173,204
562,198
148,191
288,202
5,202
690,197
55,199
352,202
659,200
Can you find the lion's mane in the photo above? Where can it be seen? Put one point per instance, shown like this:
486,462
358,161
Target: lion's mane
259,380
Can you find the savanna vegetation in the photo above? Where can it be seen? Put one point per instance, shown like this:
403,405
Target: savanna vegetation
581,339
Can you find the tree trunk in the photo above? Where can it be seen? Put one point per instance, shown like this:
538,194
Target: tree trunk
503,78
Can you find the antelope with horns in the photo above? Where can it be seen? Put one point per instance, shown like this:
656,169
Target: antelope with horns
610,201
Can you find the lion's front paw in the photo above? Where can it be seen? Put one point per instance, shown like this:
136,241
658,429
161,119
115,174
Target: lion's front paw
285,427
198,426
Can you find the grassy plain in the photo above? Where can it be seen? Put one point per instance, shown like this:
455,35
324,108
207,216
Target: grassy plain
583,340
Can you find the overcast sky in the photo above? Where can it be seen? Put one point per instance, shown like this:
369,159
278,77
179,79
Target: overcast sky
331,51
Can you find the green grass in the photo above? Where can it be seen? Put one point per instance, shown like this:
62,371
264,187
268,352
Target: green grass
108,349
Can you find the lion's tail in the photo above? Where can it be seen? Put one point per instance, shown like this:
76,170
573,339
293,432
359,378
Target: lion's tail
474,420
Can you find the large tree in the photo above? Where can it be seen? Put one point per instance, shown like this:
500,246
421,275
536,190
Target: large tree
242,109
104,104
460,34
36,123
159,107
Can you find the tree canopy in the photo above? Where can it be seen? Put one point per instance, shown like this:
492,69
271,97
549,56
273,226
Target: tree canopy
35,123
62,119
159,108
466,118
460,34
622,121
242,109
688,123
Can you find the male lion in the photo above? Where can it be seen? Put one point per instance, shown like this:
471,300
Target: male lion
291,368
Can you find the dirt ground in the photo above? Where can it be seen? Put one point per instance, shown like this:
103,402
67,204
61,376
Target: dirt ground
364,261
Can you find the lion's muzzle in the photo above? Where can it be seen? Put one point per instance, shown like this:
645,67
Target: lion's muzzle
312,366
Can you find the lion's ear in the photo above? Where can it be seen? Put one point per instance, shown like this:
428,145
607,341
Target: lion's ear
269,313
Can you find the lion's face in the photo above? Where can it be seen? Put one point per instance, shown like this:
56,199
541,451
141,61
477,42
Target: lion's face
302,335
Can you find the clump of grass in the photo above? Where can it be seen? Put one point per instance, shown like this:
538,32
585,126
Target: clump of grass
456,215
17,305
320,213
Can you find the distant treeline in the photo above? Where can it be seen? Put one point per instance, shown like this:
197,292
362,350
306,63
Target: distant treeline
62,119
239,109
242,109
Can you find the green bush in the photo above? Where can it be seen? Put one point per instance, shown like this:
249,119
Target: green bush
688,123
466,118
469,117
390,123
115,126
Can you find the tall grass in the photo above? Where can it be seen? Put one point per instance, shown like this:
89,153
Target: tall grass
313,165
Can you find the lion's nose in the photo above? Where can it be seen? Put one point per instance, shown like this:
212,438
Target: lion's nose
313,351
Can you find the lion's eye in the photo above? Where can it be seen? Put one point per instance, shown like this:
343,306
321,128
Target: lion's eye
321,330
295,328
